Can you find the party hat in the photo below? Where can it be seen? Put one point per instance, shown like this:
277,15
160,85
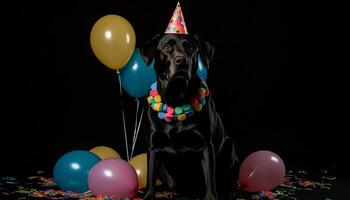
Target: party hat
177,23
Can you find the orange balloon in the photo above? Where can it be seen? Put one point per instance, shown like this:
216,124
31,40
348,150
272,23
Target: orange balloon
113,41
139,163
105,152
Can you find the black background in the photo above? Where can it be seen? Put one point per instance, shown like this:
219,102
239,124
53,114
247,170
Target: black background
269,78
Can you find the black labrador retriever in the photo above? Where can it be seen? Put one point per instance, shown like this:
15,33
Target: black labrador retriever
194,157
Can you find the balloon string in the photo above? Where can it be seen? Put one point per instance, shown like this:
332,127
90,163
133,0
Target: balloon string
135,127
137,132
123,115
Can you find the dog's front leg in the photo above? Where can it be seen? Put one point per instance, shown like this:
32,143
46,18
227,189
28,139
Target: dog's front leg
153,164
208,166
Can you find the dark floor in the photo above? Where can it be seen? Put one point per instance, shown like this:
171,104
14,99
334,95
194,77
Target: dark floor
298,184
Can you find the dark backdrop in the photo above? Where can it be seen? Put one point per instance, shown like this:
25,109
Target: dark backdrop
268,78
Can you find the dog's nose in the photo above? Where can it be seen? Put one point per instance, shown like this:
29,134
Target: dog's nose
181,60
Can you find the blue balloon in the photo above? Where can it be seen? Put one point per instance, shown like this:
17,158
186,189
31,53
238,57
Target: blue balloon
136,76
202,69
72,169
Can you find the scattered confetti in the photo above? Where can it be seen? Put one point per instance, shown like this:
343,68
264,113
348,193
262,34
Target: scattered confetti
9,178
291,186
44,187
331,178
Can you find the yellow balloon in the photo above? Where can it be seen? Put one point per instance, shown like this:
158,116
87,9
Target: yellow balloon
139,163
104,152
113,41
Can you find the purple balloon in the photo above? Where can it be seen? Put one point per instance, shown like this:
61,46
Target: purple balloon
261,171
113,178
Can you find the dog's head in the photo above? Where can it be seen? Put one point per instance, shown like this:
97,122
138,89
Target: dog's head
176,63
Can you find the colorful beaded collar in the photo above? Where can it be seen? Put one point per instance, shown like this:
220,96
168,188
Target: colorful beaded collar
179,113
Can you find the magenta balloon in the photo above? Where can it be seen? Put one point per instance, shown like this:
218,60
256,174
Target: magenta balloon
261,171
113,178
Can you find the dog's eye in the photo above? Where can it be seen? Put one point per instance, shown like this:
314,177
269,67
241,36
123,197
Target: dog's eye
166,48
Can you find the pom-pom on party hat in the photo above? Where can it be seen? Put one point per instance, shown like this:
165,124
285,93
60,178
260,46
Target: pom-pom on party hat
177,23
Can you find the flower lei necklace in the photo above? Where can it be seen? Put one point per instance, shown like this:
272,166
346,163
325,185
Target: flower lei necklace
179,113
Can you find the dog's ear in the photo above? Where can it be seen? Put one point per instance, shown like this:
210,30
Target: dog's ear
148,49
206,51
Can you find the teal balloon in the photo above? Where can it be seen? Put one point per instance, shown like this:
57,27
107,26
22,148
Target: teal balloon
202,69
72,169
136,76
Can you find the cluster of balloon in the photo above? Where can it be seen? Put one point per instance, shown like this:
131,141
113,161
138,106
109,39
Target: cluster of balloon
261,171
99,170
113,42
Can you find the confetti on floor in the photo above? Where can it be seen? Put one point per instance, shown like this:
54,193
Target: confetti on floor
295,184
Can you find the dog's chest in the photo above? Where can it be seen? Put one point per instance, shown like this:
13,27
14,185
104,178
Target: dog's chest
176,140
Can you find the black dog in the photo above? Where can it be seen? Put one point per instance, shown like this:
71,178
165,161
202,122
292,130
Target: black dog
193,157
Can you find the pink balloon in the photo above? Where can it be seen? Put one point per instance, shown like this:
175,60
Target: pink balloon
113,178
261,171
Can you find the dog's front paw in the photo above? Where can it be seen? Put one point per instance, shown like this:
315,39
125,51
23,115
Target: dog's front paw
149,195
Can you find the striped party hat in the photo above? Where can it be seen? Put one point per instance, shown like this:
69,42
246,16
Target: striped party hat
177,23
